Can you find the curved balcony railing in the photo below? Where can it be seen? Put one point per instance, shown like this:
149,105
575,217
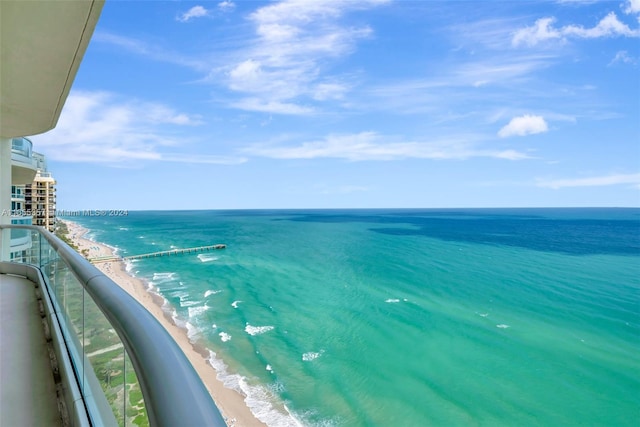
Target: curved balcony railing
22,151
21,219
126,365
20,239
22,146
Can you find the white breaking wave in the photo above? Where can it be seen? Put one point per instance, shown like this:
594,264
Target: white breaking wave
128,266
163,276
392,300
502,326
308,357
192,332
224,336
207,257
207,293
183,295
257,330
258,398
196,311
235,304
189,303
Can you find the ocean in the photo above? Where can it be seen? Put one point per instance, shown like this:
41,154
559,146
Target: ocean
436,317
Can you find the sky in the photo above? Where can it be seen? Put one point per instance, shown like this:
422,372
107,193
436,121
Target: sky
353,104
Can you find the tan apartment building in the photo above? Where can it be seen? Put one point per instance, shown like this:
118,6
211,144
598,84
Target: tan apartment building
40,195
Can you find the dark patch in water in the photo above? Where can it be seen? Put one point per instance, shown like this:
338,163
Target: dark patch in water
606,234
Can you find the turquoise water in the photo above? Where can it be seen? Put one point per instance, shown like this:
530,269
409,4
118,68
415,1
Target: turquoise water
407,317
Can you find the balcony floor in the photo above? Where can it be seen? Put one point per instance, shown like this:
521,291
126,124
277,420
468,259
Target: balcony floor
27,388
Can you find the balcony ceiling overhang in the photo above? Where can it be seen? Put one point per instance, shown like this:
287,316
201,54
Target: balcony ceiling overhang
22,174
41,46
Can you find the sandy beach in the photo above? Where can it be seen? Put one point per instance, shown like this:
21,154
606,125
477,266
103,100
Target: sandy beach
230,402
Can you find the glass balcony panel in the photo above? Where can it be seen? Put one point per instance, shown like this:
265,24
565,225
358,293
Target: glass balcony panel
136,414
20,241
109,385
22,146
21,152
21,220
106,377
106,356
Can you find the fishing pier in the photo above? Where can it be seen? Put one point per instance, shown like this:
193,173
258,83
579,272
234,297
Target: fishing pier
112,258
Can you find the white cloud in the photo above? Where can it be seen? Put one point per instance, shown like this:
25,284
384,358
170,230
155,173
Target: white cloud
632,6
543,30
596,181
226,6
194,12
102,127
276,107
202,159
483,72
493,80
148,50
371,146
524,125
246,76
284,63
540,31
329,90
623,57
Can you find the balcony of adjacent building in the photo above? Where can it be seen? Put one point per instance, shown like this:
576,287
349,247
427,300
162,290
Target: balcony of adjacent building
17,194
20,240
23,165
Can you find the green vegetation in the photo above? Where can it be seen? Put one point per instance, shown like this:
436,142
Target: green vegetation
103,348
62,231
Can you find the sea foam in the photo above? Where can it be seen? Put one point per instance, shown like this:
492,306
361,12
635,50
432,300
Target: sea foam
261,401
207,257
192,331
163,276
309,356
196,311
257,330
189,303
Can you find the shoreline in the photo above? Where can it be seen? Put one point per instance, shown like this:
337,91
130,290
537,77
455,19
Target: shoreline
230,403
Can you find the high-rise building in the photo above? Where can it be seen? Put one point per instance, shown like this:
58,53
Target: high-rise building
40,196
